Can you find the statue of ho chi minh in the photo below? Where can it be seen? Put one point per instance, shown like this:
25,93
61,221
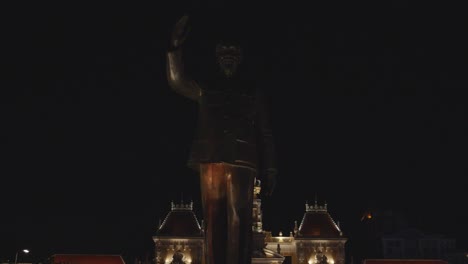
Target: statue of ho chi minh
233,145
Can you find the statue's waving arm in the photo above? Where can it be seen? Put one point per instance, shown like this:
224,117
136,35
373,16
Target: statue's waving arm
177,77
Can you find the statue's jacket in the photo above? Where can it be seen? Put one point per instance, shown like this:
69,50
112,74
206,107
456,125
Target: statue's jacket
233,124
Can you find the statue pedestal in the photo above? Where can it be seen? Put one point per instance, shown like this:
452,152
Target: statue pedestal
262,255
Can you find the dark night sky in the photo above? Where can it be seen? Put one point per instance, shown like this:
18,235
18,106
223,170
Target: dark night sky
368,102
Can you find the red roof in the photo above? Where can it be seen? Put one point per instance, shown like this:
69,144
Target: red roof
404,261
317,224
86,259
181,221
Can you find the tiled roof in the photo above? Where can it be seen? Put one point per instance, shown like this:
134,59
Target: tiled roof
86,259
404,261
317,223
181,221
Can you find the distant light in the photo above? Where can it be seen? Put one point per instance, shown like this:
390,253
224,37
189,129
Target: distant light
26,251
369,216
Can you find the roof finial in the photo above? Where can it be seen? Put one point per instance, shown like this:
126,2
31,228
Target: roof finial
315,198
181,197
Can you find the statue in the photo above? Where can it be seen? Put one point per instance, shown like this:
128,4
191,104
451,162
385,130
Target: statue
321,258
233,145
177,258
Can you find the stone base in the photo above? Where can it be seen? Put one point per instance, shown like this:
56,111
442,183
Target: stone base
260,254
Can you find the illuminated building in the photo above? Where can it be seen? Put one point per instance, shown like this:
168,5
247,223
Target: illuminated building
179,238
318,239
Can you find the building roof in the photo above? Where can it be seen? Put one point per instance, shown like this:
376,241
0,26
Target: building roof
181,221
86,259
404,261
317,223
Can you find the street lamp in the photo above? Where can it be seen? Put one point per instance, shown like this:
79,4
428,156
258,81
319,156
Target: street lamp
25,251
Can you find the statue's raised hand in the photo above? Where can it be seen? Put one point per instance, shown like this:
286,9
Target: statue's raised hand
180,32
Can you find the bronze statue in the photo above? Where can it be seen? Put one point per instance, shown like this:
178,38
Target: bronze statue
233,145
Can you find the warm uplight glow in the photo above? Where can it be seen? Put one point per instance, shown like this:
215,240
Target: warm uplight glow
310,261
332,261
369,216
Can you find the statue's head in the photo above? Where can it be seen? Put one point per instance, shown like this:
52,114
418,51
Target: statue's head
228,56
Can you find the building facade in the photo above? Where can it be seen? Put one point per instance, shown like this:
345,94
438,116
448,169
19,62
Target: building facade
387,235
179,238
317,240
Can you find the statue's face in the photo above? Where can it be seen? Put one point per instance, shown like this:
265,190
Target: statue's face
229,58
